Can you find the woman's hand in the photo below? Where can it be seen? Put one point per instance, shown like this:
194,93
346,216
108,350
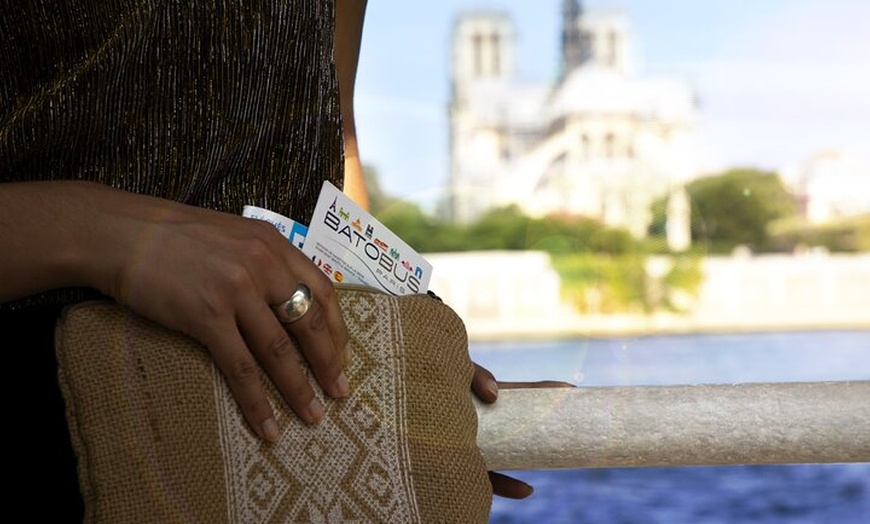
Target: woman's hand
214,276
217,277
486,388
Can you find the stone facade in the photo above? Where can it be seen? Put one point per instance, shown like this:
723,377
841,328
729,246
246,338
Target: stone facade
601,141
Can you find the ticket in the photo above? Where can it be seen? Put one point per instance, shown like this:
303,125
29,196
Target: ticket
292,230
349,245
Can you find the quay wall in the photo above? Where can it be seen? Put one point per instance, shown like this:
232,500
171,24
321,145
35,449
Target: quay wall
516,295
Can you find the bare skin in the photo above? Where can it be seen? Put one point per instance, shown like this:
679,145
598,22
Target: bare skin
349,19
213,276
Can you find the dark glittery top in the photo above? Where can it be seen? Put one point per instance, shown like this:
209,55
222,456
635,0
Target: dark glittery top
217,104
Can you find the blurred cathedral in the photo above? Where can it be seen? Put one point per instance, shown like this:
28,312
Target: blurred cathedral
600,141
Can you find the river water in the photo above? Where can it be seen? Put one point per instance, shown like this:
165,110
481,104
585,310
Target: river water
829,494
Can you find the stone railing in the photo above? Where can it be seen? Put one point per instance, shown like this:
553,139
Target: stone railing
780,423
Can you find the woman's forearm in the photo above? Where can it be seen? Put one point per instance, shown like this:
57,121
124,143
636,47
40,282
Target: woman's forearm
349,18
48,232
213,276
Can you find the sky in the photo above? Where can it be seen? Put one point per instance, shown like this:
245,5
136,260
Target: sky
778,80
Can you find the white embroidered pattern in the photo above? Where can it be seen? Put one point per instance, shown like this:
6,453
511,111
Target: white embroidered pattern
352,467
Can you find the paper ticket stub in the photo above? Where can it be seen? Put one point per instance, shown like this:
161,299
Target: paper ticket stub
351,246
292,230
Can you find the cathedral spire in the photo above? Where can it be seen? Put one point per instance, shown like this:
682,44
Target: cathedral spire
572,42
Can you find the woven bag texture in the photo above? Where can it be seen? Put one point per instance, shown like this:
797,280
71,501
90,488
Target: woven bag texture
159,437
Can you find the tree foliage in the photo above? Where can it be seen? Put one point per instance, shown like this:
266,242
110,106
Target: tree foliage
737,206
421,231
602,268
505,228
501,228
849,235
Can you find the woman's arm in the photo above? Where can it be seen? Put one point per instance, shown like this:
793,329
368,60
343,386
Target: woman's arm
214,276
349,17
43,236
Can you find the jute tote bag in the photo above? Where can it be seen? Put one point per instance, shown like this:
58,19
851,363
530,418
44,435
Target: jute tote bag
159,438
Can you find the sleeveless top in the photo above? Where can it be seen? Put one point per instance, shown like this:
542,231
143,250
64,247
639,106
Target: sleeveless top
216,104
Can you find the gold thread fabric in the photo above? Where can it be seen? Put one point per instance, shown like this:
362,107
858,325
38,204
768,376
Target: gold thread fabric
218,103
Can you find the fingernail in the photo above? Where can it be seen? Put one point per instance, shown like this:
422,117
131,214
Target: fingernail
492,387
341,386
348,354
315,410
270,430
529,491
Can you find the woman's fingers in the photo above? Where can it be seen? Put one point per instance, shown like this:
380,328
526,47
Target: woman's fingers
486,388
538,384
317,345
484,385
277,354
320,331
280,341
261,341
242,373
509,487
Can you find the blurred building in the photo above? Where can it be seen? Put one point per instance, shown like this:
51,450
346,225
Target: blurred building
600,141
833,185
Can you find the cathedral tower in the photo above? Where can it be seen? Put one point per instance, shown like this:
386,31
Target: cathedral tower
483,48
600,142
483,68
573,52
600,38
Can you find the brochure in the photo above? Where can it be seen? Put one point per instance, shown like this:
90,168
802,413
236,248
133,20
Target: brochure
292,230
351,246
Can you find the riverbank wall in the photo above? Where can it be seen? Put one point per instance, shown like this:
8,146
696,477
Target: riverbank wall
514,295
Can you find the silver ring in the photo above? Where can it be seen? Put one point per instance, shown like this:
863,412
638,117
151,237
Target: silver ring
296,306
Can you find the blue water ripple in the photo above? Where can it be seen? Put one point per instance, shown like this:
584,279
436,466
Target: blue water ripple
775,494
793,494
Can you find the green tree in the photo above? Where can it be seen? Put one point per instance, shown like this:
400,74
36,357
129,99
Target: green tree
847,234
736,207
659,221
501,228
576,234
506,228
378,199
409,222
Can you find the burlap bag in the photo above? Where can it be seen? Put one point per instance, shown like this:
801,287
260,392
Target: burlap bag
160,439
